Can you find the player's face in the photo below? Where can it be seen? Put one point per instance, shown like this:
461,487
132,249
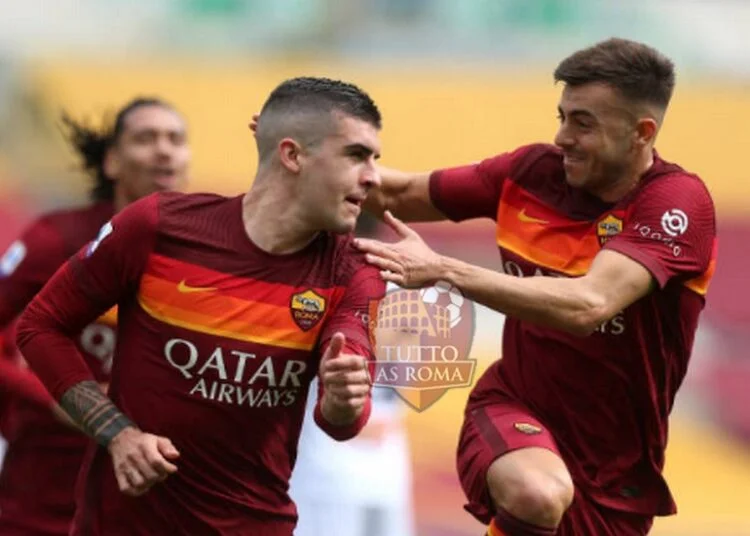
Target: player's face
152,153
339,172
596,134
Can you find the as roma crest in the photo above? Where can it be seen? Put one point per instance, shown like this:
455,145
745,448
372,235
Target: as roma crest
607,228
307,309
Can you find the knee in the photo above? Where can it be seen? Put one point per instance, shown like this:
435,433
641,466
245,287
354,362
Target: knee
535,496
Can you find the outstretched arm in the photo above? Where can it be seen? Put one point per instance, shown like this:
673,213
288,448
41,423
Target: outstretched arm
407,195
577,305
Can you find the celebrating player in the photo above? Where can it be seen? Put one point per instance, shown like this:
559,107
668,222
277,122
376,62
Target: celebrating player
607,251
227,308
144,151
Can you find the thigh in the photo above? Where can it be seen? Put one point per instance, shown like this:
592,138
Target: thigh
397,520
586,518
487,434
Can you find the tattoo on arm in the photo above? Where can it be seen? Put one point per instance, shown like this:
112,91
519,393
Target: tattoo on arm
94,412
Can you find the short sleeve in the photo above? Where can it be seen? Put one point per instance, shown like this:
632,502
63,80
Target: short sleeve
472,191
670,228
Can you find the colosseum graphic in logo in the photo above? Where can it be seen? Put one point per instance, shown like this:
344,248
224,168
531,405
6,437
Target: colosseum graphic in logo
422,340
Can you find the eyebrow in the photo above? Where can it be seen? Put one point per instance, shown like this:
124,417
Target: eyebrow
360,147
577,113
156,130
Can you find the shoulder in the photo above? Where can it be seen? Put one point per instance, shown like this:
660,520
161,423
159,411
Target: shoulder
350,261
535,159
72,217
667,182
175,202
70,228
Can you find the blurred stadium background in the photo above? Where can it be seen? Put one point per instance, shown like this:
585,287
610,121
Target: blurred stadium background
456,81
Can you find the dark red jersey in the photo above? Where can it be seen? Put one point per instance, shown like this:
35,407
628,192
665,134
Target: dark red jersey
218,342
605,397
44,456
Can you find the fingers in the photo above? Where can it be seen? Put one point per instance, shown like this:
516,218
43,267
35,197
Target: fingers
343,363
142,462
167,449
375,247
335,346
394,277
384,264
397,225
347,377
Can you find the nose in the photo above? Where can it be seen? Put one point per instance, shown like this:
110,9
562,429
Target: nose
371,177
563,139
164,146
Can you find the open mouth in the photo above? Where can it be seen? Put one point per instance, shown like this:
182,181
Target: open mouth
164,176
573,159
355,200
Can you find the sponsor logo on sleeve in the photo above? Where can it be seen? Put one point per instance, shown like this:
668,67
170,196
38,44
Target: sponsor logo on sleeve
668,240
104,232
674,222
527,428
12,258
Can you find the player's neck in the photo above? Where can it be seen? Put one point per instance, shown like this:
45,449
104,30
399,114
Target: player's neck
272,221
629,180
120,200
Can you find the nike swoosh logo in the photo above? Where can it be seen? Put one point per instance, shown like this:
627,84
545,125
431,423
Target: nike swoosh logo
187,289
522,216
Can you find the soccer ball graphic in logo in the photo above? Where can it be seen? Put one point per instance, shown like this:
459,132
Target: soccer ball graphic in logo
445,295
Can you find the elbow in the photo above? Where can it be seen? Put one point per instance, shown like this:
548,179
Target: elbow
588,317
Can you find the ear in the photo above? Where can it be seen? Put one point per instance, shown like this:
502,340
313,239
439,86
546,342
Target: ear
645,131
290,154
111,164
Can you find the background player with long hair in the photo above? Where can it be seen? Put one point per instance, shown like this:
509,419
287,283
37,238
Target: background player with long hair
145,150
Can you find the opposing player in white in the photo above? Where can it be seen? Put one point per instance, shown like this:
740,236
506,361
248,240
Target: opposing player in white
361,487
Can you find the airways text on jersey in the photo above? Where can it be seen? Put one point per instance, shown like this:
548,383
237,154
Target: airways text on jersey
236,377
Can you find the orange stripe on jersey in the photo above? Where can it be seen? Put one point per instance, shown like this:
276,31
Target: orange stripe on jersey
530,229
494,530
194,279
109,318
699,285
211,311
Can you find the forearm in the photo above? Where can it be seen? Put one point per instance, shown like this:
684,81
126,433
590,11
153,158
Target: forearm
94,412
558,302
406,195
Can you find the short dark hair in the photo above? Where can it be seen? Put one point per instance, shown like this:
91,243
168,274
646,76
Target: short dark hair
306,98
324,94
640,73
92,143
